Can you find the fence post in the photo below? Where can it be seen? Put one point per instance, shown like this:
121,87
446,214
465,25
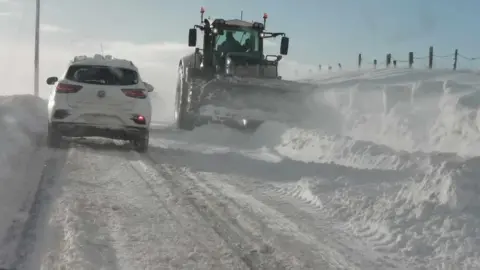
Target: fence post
375,63
455,59
410,59
394,63
319,67
388,60
359,60
430,58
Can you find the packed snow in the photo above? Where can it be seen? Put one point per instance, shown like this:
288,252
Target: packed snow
382,173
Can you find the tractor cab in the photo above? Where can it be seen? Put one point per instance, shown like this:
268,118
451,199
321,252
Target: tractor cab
236,43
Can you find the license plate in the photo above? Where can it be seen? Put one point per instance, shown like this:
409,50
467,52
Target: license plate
100,119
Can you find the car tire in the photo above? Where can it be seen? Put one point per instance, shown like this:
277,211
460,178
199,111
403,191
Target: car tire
54,138
183,118
140,144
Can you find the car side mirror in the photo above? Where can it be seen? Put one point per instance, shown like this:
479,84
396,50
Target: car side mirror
149,87
192,37
52,80
284,45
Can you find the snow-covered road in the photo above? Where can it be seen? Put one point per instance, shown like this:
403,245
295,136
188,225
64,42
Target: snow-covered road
121,210
383,176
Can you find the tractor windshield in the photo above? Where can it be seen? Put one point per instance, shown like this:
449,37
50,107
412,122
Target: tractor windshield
238,40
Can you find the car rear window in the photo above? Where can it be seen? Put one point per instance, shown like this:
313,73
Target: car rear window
104,75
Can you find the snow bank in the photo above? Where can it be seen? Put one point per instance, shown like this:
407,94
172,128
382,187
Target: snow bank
317,146
433,218
23,123
400,109
423,126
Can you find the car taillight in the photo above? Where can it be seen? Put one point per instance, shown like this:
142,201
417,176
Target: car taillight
68,88
134,93
139,119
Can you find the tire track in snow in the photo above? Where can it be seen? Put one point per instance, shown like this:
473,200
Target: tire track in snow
283,221
184,194
265,228
78,239
141,227
282,235
288,236
260,206
235,239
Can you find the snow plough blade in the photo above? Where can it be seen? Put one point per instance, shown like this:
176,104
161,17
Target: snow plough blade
245,103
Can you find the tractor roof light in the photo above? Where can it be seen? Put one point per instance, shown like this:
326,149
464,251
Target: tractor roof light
265,16
258,25
218,22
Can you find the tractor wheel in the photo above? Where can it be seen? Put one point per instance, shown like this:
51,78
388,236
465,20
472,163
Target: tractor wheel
183,118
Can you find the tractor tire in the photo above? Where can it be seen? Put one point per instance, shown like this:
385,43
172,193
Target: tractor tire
183,118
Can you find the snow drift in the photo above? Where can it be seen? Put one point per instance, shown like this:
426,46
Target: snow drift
23,123
424,123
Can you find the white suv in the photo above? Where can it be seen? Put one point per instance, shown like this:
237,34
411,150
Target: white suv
100,97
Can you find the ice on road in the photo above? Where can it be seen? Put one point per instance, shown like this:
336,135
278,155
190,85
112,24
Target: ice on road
382,174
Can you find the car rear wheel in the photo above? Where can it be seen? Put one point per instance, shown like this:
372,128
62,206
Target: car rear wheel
54,138
140,144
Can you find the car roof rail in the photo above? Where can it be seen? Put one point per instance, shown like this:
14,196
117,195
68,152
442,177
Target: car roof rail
79,58
101,57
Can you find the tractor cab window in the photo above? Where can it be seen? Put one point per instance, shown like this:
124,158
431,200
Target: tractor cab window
237,40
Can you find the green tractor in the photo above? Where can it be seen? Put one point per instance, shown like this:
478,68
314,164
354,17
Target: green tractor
229,75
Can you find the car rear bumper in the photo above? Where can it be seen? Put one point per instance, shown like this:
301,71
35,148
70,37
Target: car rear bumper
85,130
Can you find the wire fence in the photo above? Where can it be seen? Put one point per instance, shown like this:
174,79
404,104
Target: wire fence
429,61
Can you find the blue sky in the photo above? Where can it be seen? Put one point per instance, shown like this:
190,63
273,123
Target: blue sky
320,31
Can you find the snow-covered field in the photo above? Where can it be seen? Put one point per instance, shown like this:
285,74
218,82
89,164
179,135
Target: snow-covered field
382,174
